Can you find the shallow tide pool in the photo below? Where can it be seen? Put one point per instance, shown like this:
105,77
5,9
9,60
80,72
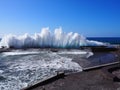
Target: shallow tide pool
19,69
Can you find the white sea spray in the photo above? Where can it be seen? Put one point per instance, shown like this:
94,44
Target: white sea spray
45,38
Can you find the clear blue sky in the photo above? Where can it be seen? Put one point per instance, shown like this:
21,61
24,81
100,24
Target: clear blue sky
88,17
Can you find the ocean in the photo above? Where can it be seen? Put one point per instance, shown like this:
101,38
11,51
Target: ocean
111,40
20,68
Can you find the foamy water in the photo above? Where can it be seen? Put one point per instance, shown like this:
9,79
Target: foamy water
19,69
81,53
45,38
13,53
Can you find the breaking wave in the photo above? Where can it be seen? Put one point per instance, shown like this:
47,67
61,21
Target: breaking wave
45,39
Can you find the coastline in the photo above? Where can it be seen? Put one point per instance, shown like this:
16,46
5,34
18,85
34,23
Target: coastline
67,79
87,80
93,79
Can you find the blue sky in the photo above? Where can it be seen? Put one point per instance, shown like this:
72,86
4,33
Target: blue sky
99,18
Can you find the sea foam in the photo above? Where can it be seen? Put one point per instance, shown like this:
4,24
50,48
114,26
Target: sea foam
45,38
26,68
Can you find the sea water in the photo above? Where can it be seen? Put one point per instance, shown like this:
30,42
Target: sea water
21,68
111,40
45,38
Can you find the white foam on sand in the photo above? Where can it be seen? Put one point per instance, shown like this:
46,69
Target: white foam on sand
45,38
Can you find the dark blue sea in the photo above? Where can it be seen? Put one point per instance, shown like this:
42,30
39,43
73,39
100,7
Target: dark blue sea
111,40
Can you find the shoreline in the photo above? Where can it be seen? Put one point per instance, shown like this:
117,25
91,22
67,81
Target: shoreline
93,48
82,62
92,79
95,79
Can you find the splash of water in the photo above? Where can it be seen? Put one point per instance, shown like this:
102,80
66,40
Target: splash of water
45,38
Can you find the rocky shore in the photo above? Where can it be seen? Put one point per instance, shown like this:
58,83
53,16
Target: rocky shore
93,79
87,80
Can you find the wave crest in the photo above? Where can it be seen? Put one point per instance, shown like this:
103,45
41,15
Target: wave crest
45,39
